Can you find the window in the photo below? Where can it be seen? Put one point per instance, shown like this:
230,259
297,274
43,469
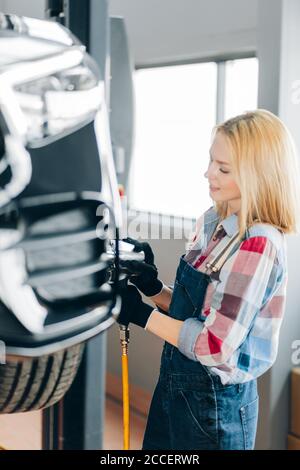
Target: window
176,109
241,86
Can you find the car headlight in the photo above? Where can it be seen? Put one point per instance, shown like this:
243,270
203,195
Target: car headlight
57,103
49,88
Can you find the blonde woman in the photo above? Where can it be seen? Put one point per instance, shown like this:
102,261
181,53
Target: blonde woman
221,322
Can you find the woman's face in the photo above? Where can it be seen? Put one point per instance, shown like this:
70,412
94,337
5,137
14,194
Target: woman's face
222,186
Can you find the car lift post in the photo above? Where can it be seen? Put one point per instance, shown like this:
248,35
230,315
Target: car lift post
77,421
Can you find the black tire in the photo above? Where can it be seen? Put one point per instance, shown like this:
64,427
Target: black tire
33,384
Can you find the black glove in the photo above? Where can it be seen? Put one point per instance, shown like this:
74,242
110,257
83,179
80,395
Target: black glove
142,246
143,274
133,309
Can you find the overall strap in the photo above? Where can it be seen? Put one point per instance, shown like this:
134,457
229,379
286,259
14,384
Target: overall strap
224,252
221,256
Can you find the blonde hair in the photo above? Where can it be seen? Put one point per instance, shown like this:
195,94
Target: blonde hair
266,169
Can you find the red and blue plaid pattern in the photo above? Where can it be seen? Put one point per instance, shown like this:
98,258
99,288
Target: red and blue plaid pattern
238,330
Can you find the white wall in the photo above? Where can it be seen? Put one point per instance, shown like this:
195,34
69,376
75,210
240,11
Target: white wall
169,30
32,8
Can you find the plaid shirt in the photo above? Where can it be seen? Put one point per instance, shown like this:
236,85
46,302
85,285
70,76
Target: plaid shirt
237,333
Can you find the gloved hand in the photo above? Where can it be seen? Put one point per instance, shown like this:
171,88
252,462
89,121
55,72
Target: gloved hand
143,274
133,309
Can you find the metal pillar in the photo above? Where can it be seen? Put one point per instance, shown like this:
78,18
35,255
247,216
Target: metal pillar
77,421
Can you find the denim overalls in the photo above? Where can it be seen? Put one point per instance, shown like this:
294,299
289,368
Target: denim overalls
191,408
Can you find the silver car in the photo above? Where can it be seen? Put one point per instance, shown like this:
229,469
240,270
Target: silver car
59,210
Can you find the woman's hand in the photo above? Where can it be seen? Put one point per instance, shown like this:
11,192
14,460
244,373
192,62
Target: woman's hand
133,309
143,275
142,246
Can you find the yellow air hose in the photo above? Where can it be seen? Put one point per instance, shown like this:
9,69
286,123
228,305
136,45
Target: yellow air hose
124,339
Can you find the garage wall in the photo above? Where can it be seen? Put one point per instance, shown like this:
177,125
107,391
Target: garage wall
32,8
170,30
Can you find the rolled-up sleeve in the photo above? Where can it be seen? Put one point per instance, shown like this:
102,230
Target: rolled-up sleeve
246,282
